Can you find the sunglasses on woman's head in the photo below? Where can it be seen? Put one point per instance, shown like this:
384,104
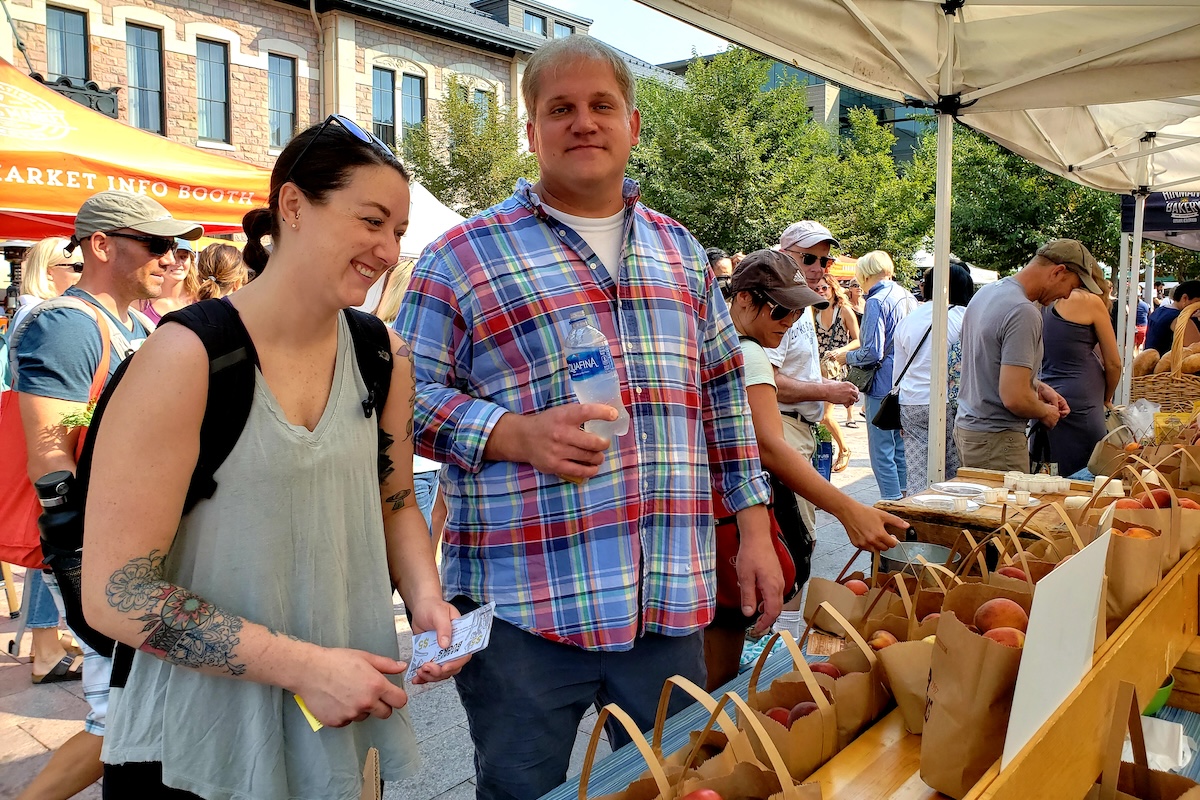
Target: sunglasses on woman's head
351,127
158,246
74,266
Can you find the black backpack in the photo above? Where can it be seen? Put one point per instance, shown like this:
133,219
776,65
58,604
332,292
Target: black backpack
232,361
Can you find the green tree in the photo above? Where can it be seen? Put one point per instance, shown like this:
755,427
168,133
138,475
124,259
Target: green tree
869,200
467,155
721,155
1005,207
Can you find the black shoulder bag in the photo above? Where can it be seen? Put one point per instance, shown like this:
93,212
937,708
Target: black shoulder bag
888,416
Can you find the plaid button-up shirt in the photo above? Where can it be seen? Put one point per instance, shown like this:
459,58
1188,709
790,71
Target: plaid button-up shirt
632,549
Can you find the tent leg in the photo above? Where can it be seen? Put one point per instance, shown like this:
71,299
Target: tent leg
939,338
1127,313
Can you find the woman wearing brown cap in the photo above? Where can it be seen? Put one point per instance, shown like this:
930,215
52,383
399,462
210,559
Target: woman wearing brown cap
767,295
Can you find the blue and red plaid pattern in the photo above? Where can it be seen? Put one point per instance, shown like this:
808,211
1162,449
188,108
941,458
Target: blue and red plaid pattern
632,549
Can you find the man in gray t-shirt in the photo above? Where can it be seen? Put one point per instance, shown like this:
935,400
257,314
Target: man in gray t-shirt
1002,353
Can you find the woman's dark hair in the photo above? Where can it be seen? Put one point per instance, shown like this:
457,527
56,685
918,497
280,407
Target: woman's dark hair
715,254
962,287
330,156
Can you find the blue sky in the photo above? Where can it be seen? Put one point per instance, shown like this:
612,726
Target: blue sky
640,30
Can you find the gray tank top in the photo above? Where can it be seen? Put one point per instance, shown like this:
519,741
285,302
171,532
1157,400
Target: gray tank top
292,539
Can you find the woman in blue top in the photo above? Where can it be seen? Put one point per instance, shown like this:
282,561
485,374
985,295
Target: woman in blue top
887,304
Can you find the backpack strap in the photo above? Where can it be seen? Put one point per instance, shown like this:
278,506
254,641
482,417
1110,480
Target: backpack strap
373,352
231,363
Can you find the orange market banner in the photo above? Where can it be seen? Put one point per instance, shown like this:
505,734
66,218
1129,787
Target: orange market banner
55,153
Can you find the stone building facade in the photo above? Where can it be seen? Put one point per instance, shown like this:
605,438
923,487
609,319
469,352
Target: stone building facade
241,76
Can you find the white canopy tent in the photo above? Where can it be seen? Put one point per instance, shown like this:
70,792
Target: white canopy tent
923,259
1104,92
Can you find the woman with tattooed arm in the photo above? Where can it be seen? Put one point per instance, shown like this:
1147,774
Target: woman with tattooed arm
280,585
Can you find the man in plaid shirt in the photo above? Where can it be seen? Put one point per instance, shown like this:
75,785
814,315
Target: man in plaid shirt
599,555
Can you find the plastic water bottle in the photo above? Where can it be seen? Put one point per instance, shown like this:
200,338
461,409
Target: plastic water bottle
594,376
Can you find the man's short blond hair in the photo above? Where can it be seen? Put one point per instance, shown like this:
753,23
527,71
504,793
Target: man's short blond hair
873,263
579,47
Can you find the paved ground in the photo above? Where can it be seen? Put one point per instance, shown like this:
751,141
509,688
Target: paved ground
36,719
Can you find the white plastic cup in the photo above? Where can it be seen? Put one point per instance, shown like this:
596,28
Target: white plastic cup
960,504
993,495
1022,497
1010,480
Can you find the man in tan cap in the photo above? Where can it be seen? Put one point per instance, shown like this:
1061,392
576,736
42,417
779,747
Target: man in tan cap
1002,354
128,242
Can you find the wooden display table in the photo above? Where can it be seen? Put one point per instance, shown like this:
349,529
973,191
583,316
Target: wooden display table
942,527
1065,757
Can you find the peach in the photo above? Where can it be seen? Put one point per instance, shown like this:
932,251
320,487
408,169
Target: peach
1189,503
1129,502
1012,572
931,617
1009,637
779,714
1000,612
881,639
858,587
1136,533
1155,498
1132,447
703,794
825,668
801,710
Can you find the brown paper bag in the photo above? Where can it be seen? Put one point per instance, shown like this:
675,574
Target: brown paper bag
883,616
749,780
1020,552
971,685
859,696
848,604
1108,455
1124,781
811,740
1134,568
906,667
727,744
1189,468
656,785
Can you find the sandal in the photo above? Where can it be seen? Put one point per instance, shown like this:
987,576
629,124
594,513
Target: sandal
850,424
61,672
843,461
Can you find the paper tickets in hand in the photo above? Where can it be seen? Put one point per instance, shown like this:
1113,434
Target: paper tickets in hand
313,722
471,633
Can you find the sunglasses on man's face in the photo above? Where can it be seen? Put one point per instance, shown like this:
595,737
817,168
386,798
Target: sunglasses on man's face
809,259
158,246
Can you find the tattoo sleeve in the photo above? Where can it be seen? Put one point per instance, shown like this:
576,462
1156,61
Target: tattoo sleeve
405,352
386,467
399,499
182,628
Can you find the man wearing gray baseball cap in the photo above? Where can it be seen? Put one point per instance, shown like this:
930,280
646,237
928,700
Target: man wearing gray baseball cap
1002,355
128,242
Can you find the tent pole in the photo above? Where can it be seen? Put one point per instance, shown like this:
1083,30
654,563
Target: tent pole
1148,293
1125,314
938,337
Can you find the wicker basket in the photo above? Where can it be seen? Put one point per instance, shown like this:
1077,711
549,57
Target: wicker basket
1173,390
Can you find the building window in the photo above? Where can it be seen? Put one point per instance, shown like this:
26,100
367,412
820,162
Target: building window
412,102
562,31
535,24
483,101
383,105
66,44
212,89
143,52
281,101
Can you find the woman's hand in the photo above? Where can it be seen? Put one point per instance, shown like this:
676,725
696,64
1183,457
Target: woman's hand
868,527
340,686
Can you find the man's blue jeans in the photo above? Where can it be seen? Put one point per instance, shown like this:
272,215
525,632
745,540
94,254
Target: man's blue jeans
525,697
425,487
887,455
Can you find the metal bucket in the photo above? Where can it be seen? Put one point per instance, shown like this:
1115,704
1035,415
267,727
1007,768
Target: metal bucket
898,558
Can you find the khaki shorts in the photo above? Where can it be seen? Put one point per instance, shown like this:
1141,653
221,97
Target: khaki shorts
1002,450
799,434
